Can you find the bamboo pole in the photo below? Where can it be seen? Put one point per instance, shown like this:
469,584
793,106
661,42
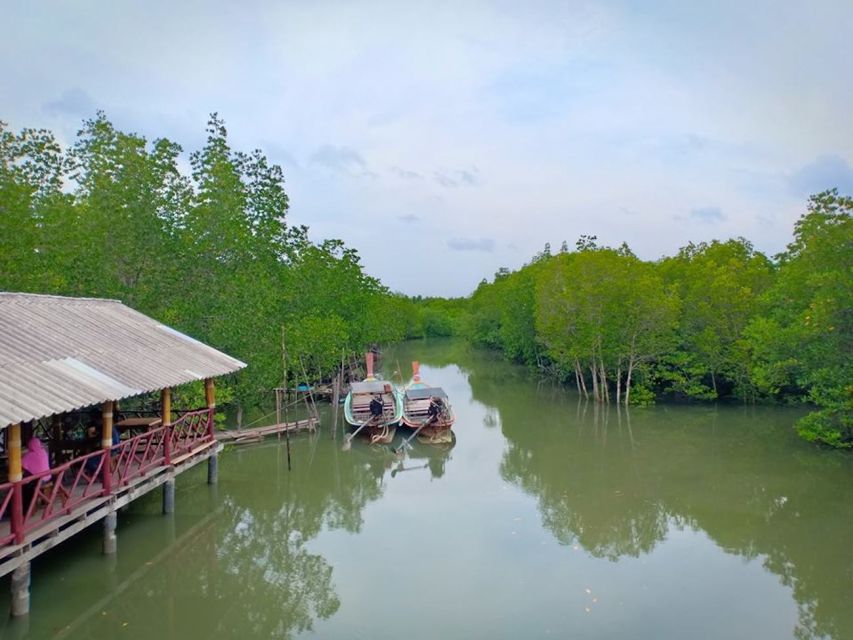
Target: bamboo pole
13,443
106,444
210,393
166,406
284,376
166,420
16,474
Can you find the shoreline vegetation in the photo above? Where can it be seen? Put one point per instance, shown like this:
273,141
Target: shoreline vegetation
719,320
210,252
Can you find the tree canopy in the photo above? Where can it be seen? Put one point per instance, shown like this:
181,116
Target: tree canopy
717,320
208,251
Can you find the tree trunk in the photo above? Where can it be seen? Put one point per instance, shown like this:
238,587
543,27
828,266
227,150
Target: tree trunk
577,378
579,373
592,370
628,381
619,382
605,392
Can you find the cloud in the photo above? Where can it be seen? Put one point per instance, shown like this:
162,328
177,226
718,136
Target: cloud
409,218
707,214
456,178
826,172
405,174
341,160
279,155
485,245
73,102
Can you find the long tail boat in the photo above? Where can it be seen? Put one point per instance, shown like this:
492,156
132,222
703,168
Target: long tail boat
427,409
373,407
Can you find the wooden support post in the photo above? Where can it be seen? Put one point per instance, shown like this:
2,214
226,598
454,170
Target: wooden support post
213,460
210,397
16,474
166,405
166,419
106,445
13,443
210,393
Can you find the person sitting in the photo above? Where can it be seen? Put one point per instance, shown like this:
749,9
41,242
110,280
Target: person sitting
377,407
34,462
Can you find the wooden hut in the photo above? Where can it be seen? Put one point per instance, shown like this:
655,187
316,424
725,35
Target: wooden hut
65,363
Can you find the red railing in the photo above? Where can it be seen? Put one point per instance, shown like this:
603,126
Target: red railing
190,430
58,491
7,490
41,498
135,457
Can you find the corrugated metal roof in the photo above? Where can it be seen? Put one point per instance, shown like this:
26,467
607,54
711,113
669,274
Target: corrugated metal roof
59,354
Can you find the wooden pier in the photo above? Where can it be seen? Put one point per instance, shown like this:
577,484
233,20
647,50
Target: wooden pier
65,364
256,434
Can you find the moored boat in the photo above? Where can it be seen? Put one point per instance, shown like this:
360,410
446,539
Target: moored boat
427,409
373,407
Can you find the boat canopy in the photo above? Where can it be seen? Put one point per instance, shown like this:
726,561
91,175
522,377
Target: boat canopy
422,393
370,386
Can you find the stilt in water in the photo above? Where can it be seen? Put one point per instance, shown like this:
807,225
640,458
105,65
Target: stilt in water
110,544
169,496
21,590
213,469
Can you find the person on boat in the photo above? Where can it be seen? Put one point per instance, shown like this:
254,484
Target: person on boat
376,406
435,407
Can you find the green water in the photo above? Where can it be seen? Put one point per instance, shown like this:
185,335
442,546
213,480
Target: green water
548,518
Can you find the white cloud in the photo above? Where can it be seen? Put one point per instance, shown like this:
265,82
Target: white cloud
571,112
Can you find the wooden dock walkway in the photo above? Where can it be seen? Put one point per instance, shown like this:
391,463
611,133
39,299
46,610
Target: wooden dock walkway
256,434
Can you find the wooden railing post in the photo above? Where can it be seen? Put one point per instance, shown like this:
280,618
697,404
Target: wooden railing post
16,474
106,445
210,396
166,419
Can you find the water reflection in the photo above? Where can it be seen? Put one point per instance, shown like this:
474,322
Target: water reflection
550,517
241,567
618,482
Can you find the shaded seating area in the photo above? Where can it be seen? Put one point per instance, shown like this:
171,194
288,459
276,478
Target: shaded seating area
86,419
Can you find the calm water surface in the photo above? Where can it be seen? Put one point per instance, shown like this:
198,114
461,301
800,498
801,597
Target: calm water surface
548,518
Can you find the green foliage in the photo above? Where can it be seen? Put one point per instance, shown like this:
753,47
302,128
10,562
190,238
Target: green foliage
716,320
210,254
803,348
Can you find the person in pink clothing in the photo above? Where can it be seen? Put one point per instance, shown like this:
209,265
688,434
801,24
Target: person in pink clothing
35,460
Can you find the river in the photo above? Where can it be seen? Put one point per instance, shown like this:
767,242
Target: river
549,517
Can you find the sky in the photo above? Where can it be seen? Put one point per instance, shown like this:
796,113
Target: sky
445,140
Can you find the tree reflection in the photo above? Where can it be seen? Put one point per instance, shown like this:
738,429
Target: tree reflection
244,566
617,482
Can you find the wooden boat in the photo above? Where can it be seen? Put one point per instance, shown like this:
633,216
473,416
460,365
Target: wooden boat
373,407
427,410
